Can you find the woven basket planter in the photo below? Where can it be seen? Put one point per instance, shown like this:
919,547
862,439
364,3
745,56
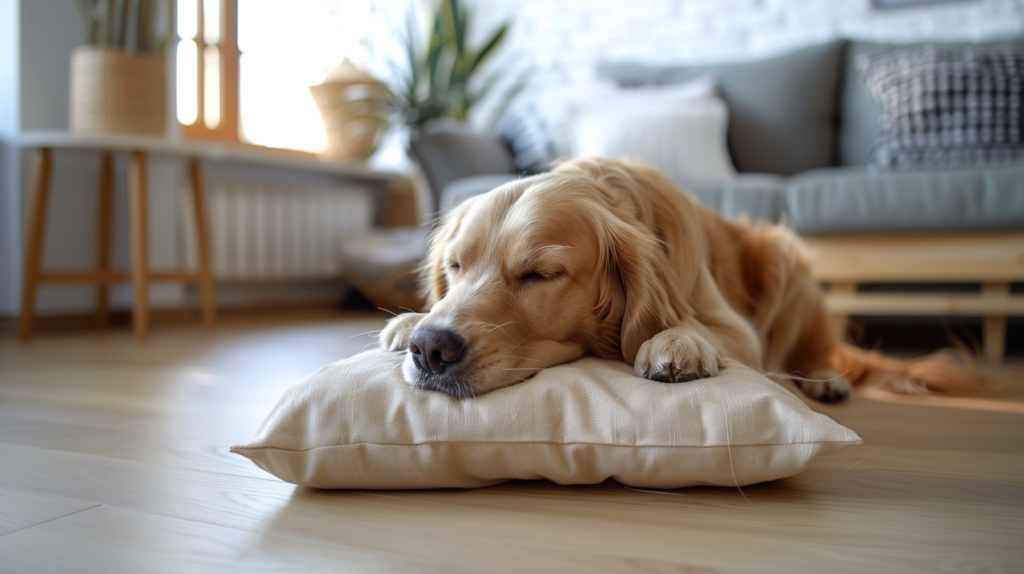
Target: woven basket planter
354,107
113,92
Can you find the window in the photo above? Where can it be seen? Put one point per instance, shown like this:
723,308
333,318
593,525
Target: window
207,73
244,66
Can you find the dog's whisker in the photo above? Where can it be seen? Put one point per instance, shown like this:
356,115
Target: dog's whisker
517,344
365,333
525,358
386,311
496,327
728,438
799,378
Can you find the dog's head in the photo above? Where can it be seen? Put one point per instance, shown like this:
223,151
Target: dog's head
548,269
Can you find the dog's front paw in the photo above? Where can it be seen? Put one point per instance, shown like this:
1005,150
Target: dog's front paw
827,386
676,356
395,336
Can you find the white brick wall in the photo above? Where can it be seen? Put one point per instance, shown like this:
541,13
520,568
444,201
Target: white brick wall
556,33
561,40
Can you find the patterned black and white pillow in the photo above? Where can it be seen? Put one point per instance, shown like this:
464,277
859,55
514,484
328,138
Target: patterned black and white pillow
528,136
947,106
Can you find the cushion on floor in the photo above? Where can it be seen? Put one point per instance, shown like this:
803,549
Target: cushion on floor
357,424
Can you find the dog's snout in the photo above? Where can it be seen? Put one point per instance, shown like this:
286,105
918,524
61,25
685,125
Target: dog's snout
434,350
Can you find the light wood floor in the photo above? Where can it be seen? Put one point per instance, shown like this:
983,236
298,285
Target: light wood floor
113,458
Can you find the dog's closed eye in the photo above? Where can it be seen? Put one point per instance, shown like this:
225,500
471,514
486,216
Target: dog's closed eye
536,277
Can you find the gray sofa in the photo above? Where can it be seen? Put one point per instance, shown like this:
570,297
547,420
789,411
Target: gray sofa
801,129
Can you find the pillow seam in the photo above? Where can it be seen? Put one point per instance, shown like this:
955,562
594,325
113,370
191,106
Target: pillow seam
238,448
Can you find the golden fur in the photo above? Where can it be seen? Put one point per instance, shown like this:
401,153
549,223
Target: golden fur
608,258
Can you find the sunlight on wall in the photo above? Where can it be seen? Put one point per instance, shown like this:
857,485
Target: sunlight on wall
287,47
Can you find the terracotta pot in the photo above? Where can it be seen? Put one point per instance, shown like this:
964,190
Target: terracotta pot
114,92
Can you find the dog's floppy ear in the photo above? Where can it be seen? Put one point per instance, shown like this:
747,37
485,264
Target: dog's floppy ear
653,243
435,285
632,287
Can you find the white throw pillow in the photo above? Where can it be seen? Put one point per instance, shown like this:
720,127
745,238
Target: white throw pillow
686,140
357,424
553,108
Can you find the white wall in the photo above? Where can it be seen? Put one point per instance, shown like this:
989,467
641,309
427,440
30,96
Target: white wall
558,42
566,38
10,244
47,32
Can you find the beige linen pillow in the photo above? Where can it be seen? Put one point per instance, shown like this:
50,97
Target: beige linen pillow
357,424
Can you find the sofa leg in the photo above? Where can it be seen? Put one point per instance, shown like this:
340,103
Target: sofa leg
994,333
841,321
995,339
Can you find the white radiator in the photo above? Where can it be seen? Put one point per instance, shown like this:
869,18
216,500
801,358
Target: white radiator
263,230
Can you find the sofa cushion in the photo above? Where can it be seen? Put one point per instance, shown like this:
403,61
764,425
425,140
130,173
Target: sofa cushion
757,196
947,106
454,152
860,113
782,110
846,200
462,189
686,140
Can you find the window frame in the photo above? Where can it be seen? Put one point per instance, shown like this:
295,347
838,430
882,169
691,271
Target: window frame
229,128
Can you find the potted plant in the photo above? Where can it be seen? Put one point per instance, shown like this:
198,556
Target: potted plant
438,80
119,78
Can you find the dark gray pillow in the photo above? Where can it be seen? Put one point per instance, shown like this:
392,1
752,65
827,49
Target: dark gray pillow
454,152
529,138
860,112
782,110
947,106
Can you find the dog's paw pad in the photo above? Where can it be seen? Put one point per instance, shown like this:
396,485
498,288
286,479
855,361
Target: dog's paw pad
826,385
673,357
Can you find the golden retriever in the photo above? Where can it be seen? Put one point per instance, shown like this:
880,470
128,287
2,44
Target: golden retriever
608,258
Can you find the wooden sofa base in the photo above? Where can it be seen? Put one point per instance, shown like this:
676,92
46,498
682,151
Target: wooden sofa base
992,259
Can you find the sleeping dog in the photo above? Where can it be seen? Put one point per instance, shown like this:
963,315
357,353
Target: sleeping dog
608,258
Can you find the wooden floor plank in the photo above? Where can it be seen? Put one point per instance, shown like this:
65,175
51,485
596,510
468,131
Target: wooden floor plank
20,510
143,430
104,540
208,454
930,501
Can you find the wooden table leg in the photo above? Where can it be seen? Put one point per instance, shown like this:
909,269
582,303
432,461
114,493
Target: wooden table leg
138,215
203,235
39,205
104,235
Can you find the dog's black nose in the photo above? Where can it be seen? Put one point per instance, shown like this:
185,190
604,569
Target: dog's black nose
434,350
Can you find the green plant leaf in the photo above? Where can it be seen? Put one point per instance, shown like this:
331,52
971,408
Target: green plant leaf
145,14
122,31
488,48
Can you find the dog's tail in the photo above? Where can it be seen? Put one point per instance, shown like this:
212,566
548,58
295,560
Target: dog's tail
949,372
